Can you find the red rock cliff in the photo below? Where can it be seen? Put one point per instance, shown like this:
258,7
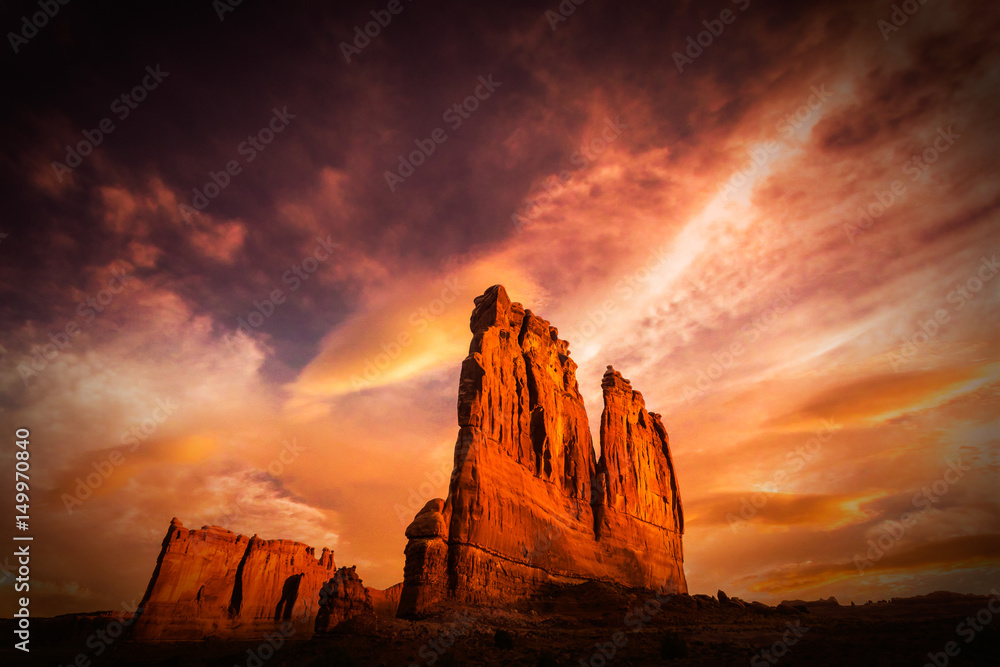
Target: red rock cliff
528,504
637,506
215,582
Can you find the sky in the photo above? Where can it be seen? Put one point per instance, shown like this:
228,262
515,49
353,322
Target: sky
240,245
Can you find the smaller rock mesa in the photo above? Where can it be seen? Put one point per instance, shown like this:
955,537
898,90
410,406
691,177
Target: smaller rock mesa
213,582
528,504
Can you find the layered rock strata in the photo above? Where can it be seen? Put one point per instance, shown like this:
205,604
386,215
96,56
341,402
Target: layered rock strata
528,504
214,582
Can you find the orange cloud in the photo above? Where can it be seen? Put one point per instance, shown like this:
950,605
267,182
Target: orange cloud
768,511
970,552
877,398
421,324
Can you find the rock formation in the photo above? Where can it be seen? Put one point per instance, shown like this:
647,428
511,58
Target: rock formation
342,598
215,582
528,504
637,506
385,602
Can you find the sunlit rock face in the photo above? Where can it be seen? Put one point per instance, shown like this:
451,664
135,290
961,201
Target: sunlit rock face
637,505
528,503
213,582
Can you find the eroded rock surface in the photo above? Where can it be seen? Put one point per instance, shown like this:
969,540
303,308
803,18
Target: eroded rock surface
528,503
637,506
341,599
214,582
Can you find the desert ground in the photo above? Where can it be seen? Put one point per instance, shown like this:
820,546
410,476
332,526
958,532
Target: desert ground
587,624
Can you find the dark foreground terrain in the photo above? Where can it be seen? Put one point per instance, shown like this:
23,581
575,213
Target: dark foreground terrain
588,624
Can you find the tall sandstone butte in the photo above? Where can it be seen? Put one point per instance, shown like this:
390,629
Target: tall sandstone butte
215,582
528,504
